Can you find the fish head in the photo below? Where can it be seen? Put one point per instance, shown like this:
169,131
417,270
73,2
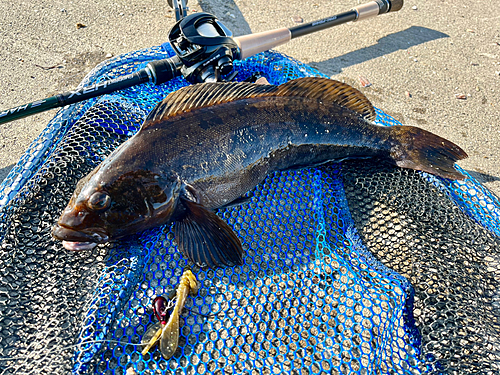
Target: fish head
103,209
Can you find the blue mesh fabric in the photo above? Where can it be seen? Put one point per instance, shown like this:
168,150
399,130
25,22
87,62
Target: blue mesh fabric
310,297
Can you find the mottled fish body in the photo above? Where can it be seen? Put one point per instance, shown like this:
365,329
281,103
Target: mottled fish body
206,145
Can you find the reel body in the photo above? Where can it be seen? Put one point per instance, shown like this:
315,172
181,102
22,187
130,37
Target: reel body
204,46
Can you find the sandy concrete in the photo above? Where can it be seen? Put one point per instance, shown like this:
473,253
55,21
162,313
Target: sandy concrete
418,60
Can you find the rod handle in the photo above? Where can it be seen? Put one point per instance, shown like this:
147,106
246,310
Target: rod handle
253,44
395,5
376,7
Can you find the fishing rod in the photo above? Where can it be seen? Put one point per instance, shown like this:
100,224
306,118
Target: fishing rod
205,51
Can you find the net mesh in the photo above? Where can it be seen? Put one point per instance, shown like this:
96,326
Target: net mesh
354,267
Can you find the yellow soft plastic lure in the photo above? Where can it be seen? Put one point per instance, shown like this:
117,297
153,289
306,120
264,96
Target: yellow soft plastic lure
167,332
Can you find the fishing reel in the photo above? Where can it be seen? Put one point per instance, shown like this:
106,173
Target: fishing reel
204,50
204,46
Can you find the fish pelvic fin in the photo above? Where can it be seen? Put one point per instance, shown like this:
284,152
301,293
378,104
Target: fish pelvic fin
205,238
421,150
210,94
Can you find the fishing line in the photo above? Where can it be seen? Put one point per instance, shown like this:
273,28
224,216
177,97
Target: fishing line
79,345
171,298
254,357
73,346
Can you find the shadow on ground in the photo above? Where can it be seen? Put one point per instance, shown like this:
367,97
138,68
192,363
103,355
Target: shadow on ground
484,179
5,171
388,44
229,13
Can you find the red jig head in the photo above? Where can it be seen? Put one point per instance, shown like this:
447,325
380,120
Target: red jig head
162,308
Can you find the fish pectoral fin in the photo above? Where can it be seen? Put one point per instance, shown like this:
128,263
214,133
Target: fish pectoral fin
205,238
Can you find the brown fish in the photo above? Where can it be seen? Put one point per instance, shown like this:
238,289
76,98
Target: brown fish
206,145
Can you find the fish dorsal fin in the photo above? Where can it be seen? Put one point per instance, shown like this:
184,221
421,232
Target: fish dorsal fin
329,90
210,94
205,95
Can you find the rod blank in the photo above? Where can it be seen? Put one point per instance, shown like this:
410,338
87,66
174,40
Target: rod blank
160,71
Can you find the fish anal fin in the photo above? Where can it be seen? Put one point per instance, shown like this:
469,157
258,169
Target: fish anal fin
237,202
205,238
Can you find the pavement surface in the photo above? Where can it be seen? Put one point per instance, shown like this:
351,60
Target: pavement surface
434,64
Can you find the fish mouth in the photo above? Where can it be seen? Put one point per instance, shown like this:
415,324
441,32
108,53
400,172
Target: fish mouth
74,240
78,246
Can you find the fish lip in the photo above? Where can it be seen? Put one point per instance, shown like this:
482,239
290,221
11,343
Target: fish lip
89,235
78,246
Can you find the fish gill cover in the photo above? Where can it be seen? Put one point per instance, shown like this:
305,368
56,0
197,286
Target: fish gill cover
353,267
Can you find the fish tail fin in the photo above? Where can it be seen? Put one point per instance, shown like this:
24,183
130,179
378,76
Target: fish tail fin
421,150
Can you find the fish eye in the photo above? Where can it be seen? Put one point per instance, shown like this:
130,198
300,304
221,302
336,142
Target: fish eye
99,201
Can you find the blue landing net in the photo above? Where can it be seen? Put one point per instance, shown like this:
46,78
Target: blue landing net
351,268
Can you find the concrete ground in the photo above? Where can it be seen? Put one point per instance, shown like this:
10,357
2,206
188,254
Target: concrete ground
434,64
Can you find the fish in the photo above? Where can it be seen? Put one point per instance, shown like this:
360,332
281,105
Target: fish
205,146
